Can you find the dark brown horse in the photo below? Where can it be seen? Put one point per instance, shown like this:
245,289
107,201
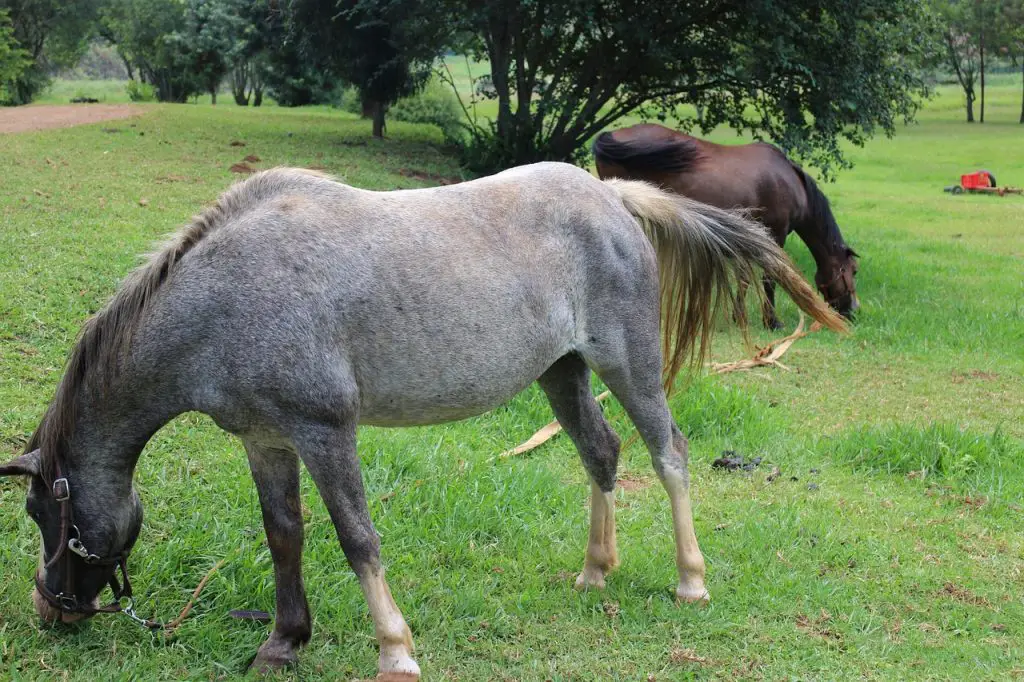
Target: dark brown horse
757,177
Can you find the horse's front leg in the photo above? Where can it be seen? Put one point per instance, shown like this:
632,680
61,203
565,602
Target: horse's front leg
771,320
276,473
329,454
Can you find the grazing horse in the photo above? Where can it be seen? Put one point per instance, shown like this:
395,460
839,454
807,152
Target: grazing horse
297,308
757,177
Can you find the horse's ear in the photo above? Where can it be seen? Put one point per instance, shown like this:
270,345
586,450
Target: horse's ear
851,252
26,465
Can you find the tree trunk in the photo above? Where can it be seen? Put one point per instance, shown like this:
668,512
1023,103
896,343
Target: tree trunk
970,106
1022,91
378,119
239,82
981,46
368,107
257,97
213,96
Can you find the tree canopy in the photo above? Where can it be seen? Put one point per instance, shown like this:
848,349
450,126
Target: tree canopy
805,74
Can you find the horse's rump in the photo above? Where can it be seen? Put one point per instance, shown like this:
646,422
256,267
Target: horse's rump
668,154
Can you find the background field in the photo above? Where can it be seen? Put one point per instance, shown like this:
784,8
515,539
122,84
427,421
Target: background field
890,547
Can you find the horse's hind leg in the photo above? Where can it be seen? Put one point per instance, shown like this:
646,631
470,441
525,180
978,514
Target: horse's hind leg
632,373
567,385
329,453
276,473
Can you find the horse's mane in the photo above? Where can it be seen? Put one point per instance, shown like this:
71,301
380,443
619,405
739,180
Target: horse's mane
819,212
105,338
671,155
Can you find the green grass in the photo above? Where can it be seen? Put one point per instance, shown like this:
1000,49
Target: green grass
899,556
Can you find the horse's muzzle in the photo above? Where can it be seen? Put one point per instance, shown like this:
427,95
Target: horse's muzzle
51,614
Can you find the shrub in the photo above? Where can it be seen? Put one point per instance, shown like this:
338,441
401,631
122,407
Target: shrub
140,92
435,105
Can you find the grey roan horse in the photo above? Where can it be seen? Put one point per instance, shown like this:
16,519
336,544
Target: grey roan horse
297,308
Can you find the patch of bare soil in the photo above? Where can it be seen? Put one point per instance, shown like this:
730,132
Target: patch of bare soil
45,116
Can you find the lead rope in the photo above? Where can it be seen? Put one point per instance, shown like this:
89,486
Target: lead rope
169,627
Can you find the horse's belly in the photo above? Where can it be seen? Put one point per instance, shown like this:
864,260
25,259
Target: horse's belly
414,379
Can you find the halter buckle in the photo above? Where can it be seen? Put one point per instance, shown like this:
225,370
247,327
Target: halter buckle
61,490
76,547
69,604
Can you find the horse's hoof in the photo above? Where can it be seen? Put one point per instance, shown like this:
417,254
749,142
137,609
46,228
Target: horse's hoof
262,665
397,666
773,325
590,579
273,658
398,677
693,595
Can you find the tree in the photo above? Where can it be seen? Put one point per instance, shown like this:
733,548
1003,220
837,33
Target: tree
207,37
13,59
970,30
146,33
53,34
1011,19
805,73
385,48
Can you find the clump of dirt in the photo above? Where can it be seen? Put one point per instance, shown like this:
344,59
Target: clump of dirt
236,143
630,482
817,627
961,377
242,168
962,594
252,158
730,461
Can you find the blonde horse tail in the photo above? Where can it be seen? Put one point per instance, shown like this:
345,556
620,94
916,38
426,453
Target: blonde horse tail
703,254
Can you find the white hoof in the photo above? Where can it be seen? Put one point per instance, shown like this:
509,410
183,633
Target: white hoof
693,594
591,578
397,666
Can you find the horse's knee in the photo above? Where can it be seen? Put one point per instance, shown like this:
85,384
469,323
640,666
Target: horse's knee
362,548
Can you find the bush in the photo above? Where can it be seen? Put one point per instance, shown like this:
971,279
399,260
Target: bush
436,105
140,92
13,61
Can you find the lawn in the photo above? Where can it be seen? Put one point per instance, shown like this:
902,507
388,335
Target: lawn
888,548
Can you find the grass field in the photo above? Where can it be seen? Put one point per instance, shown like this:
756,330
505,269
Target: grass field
890,548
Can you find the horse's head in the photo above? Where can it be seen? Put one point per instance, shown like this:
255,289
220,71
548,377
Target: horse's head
84,542
836,282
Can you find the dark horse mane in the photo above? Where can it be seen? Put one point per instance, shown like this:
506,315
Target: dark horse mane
105,338
819,212
672,155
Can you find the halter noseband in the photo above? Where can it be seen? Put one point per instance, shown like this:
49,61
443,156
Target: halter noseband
70,543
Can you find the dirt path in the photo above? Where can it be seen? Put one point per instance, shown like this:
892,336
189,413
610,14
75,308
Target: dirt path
21,119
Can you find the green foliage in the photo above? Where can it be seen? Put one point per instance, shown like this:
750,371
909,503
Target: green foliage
13,59
805,74
435,104
140,92
970,32
147,32
386,48
53,33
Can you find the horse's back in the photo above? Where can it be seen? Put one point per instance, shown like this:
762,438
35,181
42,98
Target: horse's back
755,177
400,300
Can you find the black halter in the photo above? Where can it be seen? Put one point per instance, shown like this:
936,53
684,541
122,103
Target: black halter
70,544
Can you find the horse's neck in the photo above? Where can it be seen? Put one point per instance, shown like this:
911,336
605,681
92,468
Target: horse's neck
108,435
819,243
